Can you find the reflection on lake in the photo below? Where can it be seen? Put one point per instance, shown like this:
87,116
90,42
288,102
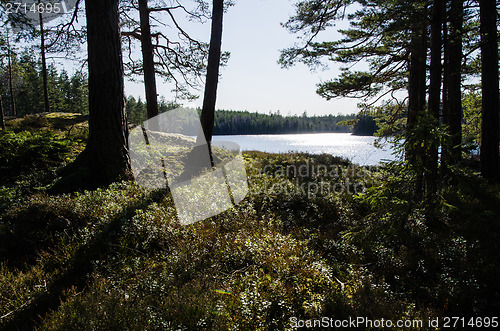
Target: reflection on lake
358,149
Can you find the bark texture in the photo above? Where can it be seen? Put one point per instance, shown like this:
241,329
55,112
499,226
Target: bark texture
105,158
107,146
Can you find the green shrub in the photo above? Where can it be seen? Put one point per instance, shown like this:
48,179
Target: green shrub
117,258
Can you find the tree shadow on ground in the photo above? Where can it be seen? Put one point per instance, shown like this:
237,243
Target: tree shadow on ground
75,272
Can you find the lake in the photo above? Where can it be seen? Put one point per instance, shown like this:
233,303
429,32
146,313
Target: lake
357,149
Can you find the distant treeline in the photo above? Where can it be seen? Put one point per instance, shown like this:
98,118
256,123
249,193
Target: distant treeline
137,109
69,93
228,122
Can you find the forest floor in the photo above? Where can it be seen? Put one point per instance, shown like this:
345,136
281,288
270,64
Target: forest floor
316,240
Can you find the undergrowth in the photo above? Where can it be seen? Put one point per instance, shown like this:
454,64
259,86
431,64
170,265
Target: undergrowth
117,258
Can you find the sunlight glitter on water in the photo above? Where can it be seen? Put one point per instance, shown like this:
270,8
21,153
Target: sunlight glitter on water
358,149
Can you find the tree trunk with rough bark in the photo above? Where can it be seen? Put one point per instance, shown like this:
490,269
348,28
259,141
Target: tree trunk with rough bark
452,100
105,158
455,84
490,93
148,61
436,67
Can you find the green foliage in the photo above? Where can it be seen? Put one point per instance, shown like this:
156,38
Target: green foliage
228,122
244,122
116,257
137,112
29,159
66,94
28,152
365,126
434,257
349,84
390,118
378,35
471,128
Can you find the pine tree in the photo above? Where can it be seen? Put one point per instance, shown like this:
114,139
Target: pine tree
2,120
212,79
490,102
105,158
148,61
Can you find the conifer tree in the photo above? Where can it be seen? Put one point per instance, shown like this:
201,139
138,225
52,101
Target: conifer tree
212,79
490,93
105,158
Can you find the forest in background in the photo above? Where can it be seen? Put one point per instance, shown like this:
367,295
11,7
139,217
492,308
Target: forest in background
70,94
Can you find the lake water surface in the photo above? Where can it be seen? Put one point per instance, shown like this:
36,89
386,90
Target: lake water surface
357,149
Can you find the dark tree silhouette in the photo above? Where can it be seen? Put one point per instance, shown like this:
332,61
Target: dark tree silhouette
452,84
490,85
2,121
44,65
105,158
107,145
11,85
178,57
148,60
435,73
212,79
416,84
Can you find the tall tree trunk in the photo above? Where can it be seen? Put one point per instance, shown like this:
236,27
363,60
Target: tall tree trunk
452,87
416,86
148,61
212,79
105,158
446,160
436,70
436,65
11,85
414,153
455,80
44,66
107,145
490,93
2,120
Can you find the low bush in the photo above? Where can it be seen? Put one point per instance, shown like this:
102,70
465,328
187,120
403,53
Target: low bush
117,258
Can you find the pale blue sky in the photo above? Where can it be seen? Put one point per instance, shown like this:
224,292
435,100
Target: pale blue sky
253,80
